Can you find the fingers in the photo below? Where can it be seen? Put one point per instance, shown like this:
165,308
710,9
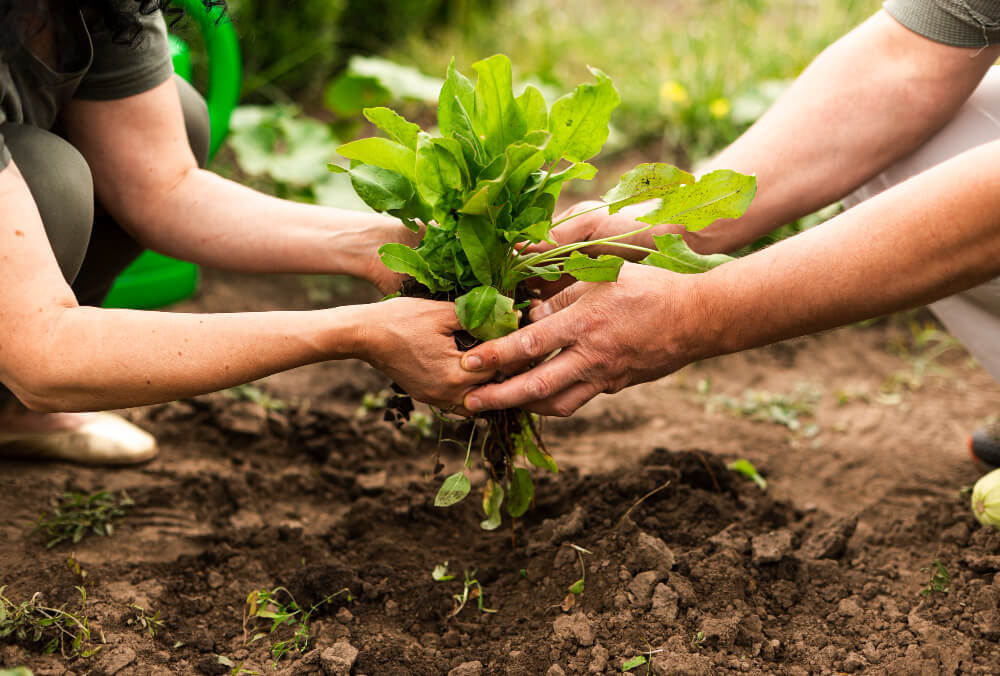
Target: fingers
566,402
544,382
528,344
559,301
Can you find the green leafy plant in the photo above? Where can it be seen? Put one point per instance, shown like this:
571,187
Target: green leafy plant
235,668
18,671
265,607
54,628
940,580
143,621
77,514
471,589
486,189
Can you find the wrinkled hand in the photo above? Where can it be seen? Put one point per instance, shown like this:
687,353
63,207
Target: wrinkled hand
375,270
611,335
412,341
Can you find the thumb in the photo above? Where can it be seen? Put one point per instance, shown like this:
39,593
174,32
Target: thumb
559,301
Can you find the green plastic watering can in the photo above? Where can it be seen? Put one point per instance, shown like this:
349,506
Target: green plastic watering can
154,280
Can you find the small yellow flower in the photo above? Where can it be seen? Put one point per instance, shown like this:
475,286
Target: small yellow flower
719,108
673,92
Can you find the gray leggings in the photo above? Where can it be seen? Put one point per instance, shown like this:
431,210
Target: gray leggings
92,250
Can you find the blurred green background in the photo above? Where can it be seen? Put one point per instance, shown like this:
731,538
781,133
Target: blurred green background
693,74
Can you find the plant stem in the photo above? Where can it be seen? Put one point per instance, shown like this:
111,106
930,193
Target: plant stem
568,248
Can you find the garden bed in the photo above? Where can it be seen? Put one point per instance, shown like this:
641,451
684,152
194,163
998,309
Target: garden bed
830,570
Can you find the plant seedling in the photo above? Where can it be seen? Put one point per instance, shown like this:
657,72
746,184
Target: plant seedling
254,394
55,628
234,668
486,190
747,469
471,589
441,574
144,621
77,514
940,581
698,639
263,604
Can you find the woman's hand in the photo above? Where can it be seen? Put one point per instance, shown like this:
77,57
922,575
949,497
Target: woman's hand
412,341
379,232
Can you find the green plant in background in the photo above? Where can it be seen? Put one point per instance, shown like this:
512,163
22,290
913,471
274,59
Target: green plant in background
748,470
77,514
143,621
699,71
54,628
940,580
486,188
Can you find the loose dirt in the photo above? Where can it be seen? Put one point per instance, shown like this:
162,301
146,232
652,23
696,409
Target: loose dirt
826,572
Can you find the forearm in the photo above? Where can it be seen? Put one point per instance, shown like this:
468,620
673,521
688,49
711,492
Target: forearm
929,237
868,100
216,222
92,359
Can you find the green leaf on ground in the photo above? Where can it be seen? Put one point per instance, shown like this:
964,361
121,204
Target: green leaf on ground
747,469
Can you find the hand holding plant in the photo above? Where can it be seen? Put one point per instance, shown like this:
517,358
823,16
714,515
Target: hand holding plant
487,189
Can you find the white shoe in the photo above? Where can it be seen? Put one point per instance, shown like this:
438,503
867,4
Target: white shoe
104,439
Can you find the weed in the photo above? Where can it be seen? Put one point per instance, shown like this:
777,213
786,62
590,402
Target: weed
747,469
143,621
77,514
263,604
940,580
252,393
697,640
471,589
235,668
54,628
773,407
441,574
921,349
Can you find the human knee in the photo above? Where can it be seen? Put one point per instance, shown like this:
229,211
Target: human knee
196,121
62,186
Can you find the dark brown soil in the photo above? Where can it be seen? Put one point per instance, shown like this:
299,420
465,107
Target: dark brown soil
823,573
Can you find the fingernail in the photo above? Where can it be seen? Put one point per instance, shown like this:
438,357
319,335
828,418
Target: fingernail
540,312
472,362
473,404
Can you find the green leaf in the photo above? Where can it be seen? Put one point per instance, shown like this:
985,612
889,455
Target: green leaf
522,159
522,490
579,121
537,456
455,105
492,499
438,174
403,259
719,194
747,469
576,587
604,268
675,255
381,152
497,118
475,306
534,108
539,232
453,490
645,182
492,316
554,185
395,125
381,189
402,82
481,245
636,661
455,148
276,142
550,273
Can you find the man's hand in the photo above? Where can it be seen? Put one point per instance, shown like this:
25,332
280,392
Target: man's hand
610,336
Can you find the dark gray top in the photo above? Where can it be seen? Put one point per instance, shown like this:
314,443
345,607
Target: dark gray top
959,23
33,93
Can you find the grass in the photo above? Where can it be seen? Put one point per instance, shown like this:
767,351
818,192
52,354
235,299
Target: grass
778,408
77,514
694,72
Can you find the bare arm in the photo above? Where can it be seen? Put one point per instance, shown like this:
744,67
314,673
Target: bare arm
146,176
56,355
868,100
931,236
